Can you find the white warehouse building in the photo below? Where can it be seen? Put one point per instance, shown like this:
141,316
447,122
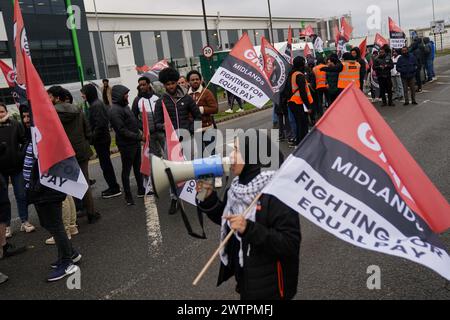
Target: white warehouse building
181,38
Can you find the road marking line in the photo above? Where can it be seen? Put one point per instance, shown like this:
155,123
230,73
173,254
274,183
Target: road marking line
127,286
153,226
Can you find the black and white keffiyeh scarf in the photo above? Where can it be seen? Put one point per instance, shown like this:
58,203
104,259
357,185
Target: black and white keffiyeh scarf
239,199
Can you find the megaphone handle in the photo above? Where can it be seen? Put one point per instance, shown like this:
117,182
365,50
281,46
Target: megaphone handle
201,196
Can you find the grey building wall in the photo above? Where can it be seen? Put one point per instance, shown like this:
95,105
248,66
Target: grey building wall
50,39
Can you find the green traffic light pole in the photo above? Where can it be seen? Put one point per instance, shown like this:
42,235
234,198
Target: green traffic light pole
76,46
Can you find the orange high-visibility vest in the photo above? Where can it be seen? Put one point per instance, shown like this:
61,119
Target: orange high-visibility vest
321,77
296,97
350,73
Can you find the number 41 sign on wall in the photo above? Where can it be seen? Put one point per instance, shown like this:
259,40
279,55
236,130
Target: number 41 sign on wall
126,62
123,40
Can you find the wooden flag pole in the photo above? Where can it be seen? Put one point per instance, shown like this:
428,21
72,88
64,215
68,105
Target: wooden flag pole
222,244
204,89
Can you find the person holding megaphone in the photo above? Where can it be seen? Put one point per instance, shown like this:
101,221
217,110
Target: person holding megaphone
263,254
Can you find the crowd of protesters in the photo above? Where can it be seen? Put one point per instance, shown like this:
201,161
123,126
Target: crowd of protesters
312,86
387,74
186,99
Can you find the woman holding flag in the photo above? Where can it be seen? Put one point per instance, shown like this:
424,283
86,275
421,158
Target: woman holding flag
263,256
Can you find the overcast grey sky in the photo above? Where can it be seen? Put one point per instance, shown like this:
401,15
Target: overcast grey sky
414,13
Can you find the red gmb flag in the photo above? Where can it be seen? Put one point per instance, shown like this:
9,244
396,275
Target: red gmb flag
276,68
175,153
363,48
52,143
18,93
358,182
21,44
288,53
309,31
174,147
160,65
337,35
58,166
346,30
396,34
242,74
393,27
8,73
145,162
380,41
307,51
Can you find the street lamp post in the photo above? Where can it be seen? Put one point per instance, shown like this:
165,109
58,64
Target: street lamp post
102,49
434,19
271,24
434,13
206,22
399,18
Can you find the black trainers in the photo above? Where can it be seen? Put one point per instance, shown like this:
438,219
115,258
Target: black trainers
141,193
92,182
109,194
415,103
10,250
93,218
130,201
76,259
173,207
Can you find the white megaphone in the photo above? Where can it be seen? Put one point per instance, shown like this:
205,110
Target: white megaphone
211,167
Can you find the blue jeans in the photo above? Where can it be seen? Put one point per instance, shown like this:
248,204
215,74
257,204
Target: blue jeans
430,69
274,115
292,121
21,198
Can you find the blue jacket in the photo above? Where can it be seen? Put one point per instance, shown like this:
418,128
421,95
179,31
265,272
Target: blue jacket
407,66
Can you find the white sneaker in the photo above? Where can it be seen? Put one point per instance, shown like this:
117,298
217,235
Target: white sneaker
218,183
73,230
50,241
27,227
240,110
229,111
8,233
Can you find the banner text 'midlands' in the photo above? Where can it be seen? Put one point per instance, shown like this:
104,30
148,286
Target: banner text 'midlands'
389,195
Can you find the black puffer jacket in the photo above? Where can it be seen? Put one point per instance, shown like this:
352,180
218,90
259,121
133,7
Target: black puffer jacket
124,122
98,117
77,129
182,109
271,266
271,271
137,106
383,66
12,144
